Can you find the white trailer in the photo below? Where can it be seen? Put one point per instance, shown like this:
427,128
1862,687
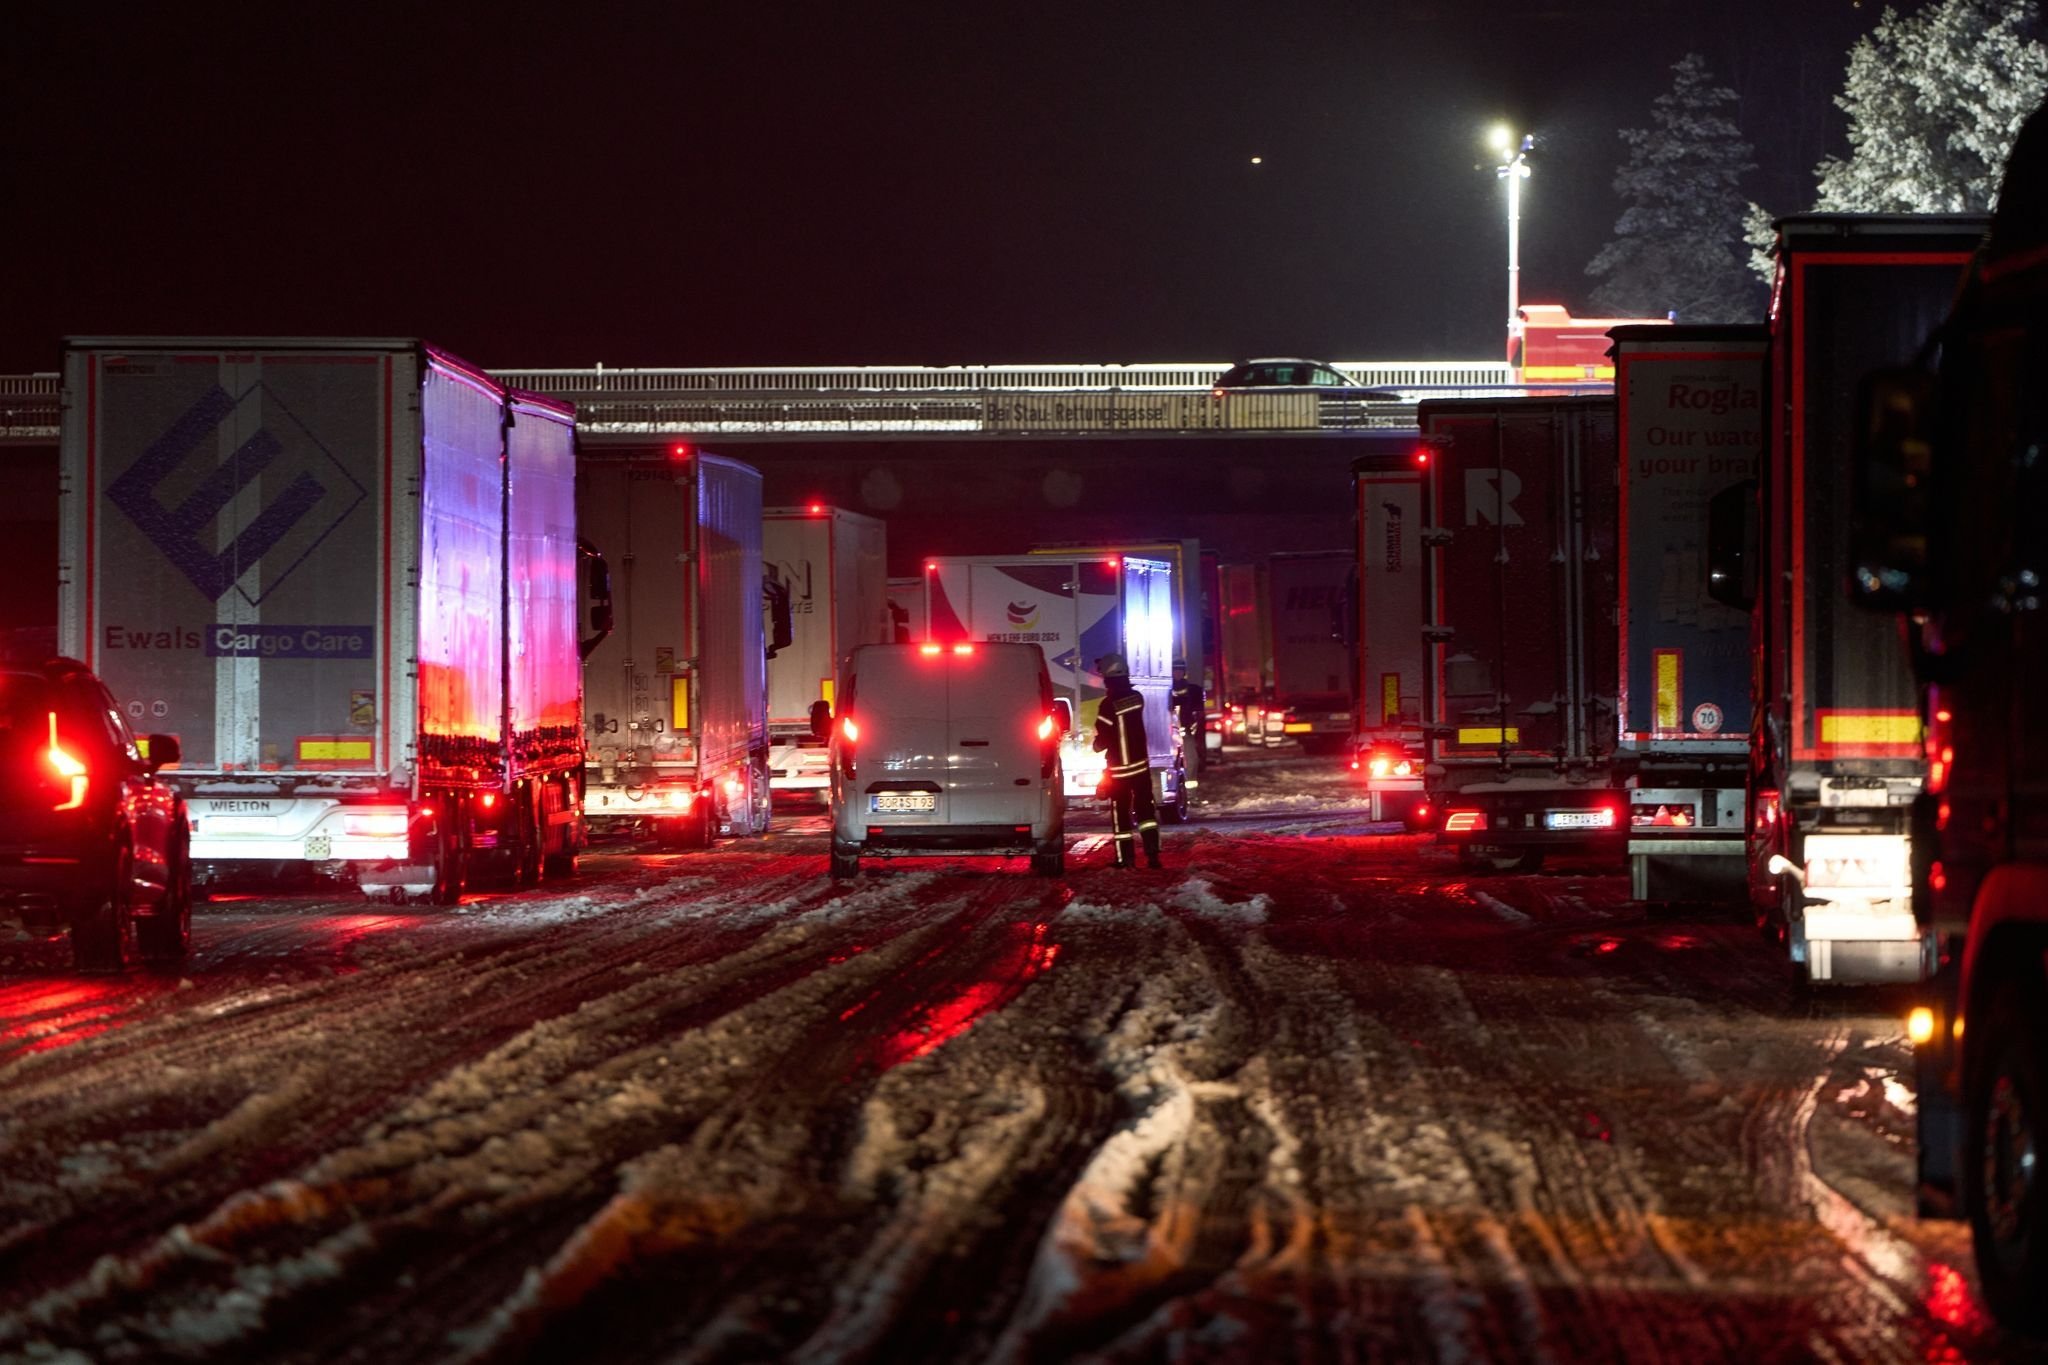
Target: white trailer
678,694
341,572
834,564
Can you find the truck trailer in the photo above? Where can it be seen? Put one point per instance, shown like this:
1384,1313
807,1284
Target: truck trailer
343,573
1949,513
678,693
1077,608
1836,758
1386,634
1690,420
1244,653
834,565
1520,703
1310,698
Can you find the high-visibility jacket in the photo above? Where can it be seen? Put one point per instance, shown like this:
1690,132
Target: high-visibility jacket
1120,732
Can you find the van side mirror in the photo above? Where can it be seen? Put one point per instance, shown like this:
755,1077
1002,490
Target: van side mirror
1732,546
1063,712
821,719
161,751
1890,487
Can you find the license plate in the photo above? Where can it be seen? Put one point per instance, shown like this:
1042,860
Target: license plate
896,803
1577,819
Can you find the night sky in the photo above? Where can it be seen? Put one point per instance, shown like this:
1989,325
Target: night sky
854,184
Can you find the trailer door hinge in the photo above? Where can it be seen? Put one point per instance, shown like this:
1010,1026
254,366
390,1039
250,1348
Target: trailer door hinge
1436,635
1435,535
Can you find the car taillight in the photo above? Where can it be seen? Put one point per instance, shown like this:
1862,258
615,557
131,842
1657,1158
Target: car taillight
68,769
1464,821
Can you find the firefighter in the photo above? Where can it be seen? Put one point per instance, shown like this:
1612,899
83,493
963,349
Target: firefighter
1190,711
1120,738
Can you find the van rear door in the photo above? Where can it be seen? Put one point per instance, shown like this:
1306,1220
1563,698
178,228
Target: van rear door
994,758
900,706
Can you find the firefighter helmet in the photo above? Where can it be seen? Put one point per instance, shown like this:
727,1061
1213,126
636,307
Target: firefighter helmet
1113,666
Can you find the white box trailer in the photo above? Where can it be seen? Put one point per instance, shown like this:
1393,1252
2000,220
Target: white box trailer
342,573
1076,607
834,564
677,694
1387,648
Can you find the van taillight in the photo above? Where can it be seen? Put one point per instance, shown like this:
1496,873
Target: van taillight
1047,728
848,730
67,769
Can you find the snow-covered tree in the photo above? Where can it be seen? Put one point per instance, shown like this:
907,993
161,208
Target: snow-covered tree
1678,244
1934,101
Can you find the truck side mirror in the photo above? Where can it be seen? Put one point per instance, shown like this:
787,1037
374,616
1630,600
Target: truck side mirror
1732,546
821,719
781,624
1063,711
600,597
1890,486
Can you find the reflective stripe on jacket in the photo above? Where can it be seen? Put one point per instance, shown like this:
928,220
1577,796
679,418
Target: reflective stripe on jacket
1120,724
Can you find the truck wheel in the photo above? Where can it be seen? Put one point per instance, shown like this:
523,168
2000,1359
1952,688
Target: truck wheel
846,864
165,938
762,795
102,927
2004,1108
1052,864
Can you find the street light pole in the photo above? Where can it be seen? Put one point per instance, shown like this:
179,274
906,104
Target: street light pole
1514,169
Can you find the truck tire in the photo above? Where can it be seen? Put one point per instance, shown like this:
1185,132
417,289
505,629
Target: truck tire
103,925
2005,1132
1052,864
165,937
846,864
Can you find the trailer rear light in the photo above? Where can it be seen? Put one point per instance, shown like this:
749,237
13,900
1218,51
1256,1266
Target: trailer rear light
963,649
1767,808
1465,822
376,825
817,509
928,649
681,451
680,798
68,769
1920,1025
490,799
1421,457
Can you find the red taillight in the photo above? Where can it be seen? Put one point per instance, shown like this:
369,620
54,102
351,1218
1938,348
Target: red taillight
928,649
681,452
68,769
817,508
1381,765
1421,456
490,799
1464,821
963,649
1047,728
848,730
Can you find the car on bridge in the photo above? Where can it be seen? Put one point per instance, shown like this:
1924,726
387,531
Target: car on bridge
1297,375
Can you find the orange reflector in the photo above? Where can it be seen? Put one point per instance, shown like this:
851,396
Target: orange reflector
1920,1025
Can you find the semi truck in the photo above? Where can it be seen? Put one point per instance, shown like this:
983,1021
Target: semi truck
1949,510
1836,758
1689,403
1077,608
677,695
1520,702
342,572
833,563
1310,697
1387,663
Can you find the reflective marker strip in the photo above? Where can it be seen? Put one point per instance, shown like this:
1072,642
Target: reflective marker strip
1390,698
1869,727
825,690
1668,701
679,702
1486,736
329,749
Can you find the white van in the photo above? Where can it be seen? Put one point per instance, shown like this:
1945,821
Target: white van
950,748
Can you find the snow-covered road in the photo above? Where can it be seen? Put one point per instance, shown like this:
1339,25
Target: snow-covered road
1308,1094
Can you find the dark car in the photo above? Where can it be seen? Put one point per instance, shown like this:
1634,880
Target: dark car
91,836
1310,375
